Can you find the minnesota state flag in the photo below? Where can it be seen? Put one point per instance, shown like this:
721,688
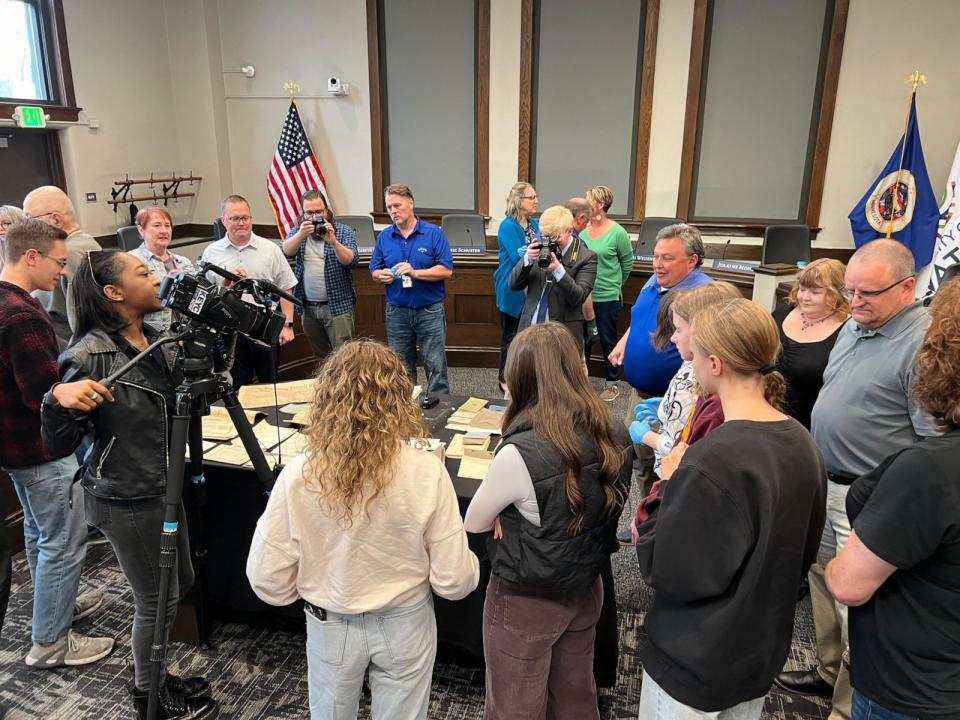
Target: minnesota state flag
901,200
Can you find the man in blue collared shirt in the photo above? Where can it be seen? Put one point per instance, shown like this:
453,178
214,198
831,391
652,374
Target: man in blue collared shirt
412,259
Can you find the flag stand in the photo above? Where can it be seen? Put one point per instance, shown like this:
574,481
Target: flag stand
916,78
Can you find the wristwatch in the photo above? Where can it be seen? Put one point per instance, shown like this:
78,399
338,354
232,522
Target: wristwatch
288,323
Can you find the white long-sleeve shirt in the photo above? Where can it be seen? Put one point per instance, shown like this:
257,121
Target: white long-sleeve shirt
506,483
412,539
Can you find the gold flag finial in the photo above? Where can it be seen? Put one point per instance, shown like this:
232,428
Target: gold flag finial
293,88
915,78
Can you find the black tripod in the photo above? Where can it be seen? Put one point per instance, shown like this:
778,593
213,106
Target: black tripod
202,357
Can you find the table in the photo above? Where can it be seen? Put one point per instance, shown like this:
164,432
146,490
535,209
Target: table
235,499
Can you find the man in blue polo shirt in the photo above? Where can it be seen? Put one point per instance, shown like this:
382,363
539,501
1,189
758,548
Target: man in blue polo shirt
412,259
677,258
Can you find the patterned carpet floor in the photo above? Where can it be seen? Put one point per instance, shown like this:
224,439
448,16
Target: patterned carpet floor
259,673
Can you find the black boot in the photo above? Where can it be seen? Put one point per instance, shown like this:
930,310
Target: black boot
172,706
189,687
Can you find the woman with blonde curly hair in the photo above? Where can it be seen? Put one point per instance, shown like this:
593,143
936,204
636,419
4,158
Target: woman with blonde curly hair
899,572
738,528
362,526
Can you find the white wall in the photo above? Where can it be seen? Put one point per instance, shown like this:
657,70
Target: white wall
157,86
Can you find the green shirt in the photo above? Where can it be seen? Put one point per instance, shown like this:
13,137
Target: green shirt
614,261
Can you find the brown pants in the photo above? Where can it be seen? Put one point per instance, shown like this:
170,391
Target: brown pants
538,647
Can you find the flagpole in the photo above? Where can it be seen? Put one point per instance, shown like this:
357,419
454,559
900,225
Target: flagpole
916,78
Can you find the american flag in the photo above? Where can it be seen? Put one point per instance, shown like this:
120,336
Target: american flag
294,170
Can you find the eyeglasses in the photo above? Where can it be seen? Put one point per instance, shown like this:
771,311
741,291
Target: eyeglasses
58,261
314,213
849,293
37,217
529,197
240,218
4,224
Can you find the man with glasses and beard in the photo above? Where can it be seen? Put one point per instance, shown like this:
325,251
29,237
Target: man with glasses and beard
246,254
865,412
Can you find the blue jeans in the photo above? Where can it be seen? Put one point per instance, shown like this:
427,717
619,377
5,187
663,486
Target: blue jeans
55,534
866,709
398,646
657,704
426,328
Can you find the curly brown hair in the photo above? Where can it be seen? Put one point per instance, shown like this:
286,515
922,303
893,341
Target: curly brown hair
937,367
825,274
363,412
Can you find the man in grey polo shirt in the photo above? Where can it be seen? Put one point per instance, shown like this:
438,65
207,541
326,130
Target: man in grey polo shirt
864,413
249,255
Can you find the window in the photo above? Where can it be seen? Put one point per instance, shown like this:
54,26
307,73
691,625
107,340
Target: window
429,101
587,79
760,100
34,62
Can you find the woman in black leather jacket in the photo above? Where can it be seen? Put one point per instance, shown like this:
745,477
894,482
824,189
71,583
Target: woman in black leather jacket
125,470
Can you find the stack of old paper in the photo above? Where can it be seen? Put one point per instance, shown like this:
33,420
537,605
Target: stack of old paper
460,420
487,421
233,453
267,395
293,445
474,441
474,463
271,435
219,426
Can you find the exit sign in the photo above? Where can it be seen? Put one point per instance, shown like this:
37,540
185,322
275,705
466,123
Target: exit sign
30,116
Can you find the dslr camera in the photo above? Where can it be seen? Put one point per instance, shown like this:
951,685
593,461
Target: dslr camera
319,228
548,247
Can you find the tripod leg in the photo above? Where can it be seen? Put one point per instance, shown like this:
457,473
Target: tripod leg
168,544
198,546
249,440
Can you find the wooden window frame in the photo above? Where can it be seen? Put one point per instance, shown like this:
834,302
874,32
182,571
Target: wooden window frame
379,120
63,106
821,127
636,207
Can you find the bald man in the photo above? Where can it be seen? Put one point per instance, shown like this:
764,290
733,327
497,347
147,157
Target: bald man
51,204
864,412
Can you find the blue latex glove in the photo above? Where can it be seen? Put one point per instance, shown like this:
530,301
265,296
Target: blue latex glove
639,428
647,410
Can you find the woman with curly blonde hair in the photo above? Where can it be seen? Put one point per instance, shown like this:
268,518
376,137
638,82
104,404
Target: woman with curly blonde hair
362,526
899,572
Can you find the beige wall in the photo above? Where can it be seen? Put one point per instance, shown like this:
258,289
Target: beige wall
158,89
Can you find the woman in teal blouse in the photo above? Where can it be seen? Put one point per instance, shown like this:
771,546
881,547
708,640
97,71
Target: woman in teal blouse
516,231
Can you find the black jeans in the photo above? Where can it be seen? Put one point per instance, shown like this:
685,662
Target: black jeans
607,315
508,329
6,554
254,361
133,528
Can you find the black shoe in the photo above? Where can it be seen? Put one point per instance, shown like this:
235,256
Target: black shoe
189,687
172,706
804,682
804,589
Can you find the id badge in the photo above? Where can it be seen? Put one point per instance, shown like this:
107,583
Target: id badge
406,281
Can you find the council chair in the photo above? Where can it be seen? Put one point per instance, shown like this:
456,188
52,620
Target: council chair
647,237
129,238
465,231
788,244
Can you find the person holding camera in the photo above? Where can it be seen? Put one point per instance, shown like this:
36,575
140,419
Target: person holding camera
326,253
557,274
246,254
125,474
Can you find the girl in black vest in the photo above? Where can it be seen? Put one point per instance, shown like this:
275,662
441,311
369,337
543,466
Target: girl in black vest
124,474
553,496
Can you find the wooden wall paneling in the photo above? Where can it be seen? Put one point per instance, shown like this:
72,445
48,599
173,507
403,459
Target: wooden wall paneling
526,90
646,75
378,149
483,107
692,114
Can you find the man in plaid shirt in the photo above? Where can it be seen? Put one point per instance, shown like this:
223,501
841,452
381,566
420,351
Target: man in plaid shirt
324,265
54,526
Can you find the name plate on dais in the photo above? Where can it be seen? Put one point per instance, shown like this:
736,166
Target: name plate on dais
741,266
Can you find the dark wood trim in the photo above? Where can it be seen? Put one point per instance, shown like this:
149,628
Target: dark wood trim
828,102
645,75
379,116
821,123
692,115
526,90
483,107
63,107
377,131
775,269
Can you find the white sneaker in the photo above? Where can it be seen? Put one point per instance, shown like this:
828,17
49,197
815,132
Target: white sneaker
72,649
87,604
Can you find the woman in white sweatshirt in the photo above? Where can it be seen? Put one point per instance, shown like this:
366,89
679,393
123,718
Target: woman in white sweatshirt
362,526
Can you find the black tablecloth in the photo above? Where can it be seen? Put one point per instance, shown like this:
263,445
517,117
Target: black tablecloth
235,499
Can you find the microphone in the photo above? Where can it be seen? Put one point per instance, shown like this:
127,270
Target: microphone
723,253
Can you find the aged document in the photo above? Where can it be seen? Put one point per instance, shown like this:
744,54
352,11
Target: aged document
474,463
262,394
